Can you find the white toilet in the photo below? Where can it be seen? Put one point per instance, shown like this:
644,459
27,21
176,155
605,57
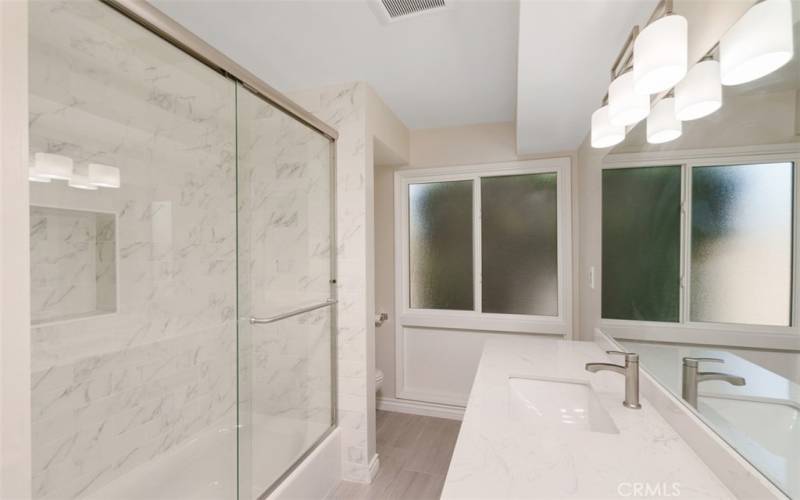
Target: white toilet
378,379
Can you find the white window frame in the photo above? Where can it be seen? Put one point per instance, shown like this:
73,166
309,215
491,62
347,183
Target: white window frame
693,332
476,319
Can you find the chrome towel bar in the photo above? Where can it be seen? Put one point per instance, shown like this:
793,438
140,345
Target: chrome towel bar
278,317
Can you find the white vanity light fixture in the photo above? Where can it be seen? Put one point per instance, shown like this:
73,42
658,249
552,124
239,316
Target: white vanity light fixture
80,180
661,53
34,175
700,93
53,166
622,106
103,175
604,133
625,105
662,124
758,44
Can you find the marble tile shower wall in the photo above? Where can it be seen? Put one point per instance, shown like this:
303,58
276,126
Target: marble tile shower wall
291,370
73,264
287,172
112,392
284,168
344,108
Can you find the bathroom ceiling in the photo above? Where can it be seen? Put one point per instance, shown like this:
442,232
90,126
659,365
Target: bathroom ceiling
456,66
566,49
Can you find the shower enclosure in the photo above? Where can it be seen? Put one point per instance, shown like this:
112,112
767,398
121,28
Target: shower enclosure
182,264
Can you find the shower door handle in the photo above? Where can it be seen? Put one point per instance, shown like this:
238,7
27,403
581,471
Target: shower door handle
272,319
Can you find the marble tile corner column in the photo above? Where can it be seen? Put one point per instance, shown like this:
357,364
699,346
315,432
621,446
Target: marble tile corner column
343,107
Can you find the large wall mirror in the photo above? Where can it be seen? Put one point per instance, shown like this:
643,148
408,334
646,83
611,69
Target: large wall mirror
700,265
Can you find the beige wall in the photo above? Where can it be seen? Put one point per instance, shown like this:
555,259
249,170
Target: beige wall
387,140
708,21
15,341
589,193
384,275
386,128
467,145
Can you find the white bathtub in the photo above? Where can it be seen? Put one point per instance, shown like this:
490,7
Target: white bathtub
205,467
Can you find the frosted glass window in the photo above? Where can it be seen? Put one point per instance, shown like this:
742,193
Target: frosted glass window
641,243
519,241
741,247
440,251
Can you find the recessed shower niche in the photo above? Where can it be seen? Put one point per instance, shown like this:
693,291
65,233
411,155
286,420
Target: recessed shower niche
73,264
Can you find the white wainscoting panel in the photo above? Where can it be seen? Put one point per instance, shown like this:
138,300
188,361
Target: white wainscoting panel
439,365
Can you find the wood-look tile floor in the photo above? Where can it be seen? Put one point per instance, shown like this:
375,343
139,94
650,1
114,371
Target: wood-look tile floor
414,452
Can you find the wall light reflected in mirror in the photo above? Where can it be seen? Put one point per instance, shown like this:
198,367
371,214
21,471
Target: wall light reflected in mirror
48,167
760,42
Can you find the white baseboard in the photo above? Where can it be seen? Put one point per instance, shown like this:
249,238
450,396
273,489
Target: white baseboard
421,408
361,473
374,465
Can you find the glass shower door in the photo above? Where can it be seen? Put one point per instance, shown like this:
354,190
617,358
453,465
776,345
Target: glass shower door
133,262
285,294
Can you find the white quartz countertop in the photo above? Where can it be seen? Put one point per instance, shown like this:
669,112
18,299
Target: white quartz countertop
502,454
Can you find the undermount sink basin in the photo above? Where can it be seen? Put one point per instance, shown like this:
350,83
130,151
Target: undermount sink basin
555,402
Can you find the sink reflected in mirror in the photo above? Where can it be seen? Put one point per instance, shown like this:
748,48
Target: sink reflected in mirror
556,402
766,431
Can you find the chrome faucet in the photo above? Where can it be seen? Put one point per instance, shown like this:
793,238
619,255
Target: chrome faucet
631,371
692,377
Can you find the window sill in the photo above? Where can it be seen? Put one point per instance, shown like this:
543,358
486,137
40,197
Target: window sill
486,322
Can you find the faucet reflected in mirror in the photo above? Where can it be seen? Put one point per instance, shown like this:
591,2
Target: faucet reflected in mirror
692,377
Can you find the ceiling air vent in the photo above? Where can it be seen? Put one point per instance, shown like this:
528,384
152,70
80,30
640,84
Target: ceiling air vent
396,10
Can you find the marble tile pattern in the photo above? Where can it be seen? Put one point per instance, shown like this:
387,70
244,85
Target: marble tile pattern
285,228
344,108
73,264
285,206
115,391
500,454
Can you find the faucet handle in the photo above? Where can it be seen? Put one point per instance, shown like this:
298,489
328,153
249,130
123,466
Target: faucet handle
694,362
629,356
